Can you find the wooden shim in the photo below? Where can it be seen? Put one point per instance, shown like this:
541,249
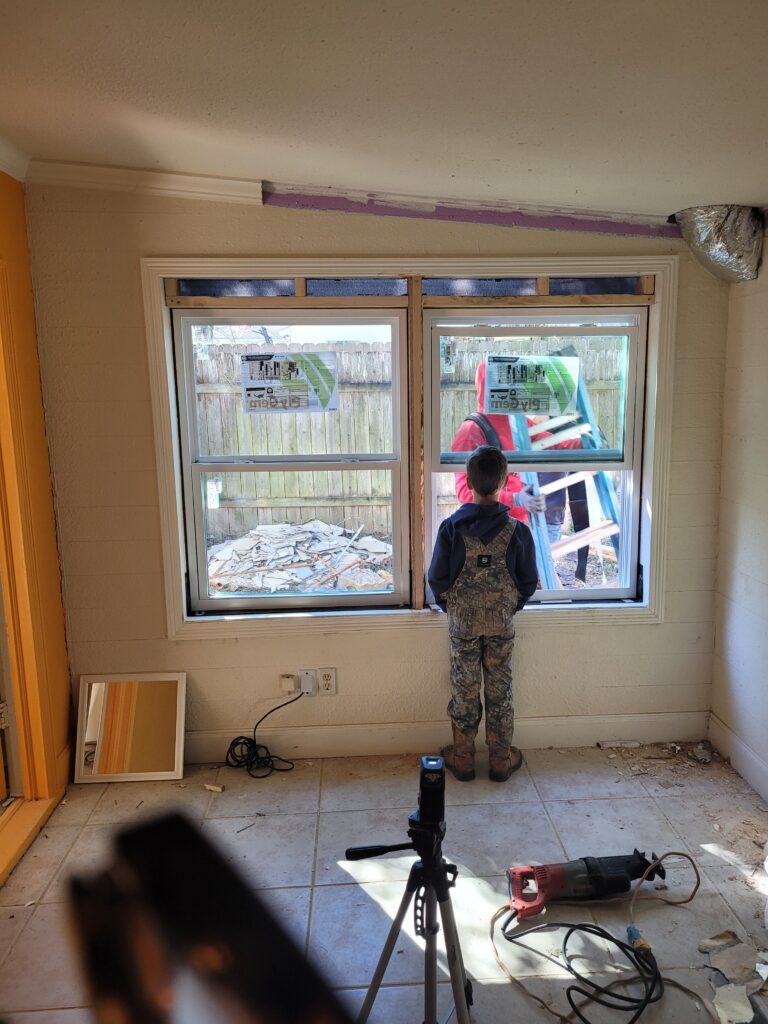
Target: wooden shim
566,481
647,284
439,301
300,286
171,286
416,439
290,301
542,286
584,538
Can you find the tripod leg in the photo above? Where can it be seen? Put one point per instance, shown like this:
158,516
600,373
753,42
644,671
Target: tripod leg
386,953
462,987
430,956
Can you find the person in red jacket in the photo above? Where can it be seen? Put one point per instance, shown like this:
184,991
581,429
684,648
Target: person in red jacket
471,435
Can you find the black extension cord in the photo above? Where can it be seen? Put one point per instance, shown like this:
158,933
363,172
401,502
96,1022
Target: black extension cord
245,752
639,956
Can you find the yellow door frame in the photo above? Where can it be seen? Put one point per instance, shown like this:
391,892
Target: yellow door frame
29,564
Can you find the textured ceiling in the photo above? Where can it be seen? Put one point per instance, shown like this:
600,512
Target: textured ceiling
591,104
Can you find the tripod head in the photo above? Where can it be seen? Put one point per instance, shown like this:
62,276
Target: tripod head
426,825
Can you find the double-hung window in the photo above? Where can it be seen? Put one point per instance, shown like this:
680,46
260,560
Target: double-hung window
293,436
561,392
313,431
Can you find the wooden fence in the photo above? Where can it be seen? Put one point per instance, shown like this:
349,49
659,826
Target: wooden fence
362,424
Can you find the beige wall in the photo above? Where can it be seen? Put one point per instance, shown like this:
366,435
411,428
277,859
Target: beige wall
580,685
740,694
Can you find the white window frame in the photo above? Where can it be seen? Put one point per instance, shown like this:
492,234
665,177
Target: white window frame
195,465
435,321
656,436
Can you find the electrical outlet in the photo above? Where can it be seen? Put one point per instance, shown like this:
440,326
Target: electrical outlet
308,681
288,682
326,680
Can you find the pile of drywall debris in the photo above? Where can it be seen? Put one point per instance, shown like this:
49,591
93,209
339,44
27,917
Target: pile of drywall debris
304,558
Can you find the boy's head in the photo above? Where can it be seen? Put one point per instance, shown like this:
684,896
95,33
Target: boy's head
486,470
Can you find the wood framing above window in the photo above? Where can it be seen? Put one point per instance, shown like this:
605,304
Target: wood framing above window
306,414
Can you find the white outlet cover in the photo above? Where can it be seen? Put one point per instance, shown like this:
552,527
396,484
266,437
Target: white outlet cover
326,681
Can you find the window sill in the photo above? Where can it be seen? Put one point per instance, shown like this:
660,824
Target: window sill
277,623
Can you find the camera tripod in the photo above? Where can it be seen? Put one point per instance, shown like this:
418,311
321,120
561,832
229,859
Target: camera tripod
430,881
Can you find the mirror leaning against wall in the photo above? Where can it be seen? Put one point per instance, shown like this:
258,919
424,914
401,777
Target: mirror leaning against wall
130,727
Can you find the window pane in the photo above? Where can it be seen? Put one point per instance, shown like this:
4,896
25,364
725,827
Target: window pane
357,286
583,538
293,389
479,286
293,534
223,287
594,285
571,393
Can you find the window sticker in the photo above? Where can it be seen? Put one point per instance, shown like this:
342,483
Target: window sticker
213,488
289,382
447,358
531,385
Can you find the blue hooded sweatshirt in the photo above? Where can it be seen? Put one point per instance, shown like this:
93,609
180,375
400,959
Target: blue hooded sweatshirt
483,522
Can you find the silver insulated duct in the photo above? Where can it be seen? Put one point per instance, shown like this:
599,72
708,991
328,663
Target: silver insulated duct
728,240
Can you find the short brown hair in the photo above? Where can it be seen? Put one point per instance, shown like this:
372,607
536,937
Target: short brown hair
486,470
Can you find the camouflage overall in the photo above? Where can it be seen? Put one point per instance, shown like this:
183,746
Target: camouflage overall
481,604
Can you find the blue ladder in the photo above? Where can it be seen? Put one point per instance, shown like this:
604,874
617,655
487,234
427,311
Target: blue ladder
606,492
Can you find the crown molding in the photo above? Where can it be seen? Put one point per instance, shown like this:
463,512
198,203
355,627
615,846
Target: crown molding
156,183
13,161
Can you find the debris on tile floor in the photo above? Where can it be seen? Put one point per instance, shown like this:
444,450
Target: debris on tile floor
733,1005
672,763
300,557
213,787
737,964
738,974
702,753
720,941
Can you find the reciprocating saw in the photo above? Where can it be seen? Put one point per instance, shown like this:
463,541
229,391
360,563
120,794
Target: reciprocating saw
589,878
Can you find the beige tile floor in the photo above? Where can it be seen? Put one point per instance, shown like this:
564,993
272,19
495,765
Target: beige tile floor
564,804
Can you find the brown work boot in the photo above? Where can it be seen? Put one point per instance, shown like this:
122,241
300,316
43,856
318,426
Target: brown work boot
459,757
502,762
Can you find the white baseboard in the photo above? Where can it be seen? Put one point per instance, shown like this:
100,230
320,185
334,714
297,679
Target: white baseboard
744,759
427,737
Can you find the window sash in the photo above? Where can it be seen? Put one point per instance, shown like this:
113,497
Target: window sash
184,320
194,466
198,556
629,514
439,325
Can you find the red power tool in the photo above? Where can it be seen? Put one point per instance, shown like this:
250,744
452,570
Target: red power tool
589,878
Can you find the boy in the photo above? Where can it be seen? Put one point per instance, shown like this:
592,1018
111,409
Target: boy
483,571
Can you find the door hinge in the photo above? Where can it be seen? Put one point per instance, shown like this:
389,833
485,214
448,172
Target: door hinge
5,715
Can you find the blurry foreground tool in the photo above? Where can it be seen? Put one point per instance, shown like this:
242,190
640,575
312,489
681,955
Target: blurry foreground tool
171,935
589,878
